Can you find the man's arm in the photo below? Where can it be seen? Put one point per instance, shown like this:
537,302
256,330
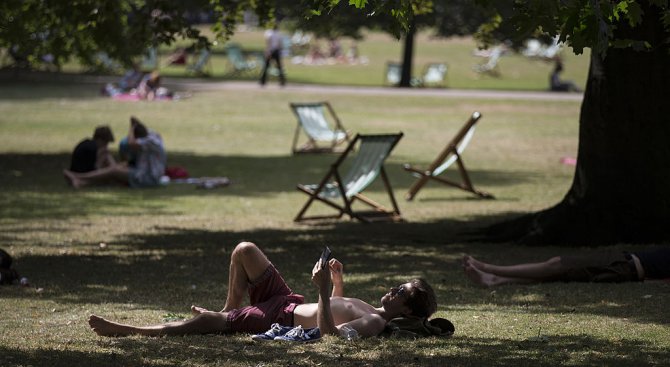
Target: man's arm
369,325
324,315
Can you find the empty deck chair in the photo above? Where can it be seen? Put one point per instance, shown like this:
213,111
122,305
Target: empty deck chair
240,63
393,73
450,154
340,189
491,65
434,75
322,136
202,65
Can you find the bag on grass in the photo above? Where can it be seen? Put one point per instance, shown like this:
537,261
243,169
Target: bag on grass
417,327
7,275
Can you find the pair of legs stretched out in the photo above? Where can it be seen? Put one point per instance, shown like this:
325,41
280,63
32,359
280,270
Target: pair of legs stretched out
611,267
248,263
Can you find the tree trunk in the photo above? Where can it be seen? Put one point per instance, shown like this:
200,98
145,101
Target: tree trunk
407,56
621,189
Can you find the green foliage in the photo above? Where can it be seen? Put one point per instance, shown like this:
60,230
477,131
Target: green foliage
121,29
594,24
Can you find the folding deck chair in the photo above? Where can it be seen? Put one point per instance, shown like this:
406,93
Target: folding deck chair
434,74
393,73
241,63
452,153
348,186
312,120
202,65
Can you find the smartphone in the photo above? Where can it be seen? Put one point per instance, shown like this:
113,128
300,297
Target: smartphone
325,255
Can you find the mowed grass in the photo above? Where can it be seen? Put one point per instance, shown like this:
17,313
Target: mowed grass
167,248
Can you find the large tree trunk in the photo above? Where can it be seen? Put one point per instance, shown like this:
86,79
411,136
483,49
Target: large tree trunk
407,56
621,188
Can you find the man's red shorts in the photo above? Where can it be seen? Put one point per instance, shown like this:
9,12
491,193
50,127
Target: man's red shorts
271,301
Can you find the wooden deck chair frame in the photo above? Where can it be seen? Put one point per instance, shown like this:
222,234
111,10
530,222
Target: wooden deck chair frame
366,167
450,154
315,145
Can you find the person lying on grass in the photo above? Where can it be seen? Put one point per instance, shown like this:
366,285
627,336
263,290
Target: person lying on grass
272,301
606,266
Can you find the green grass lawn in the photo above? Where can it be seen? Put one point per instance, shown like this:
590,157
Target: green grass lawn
168,248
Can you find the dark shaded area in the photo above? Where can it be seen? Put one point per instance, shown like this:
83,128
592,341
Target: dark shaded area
172,268
549,351
34,187
620,190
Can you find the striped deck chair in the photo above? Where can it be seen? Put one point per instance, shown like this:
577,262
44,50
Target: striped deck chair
322,136
393,73
241,63
202,65
452,153
434,75
340,190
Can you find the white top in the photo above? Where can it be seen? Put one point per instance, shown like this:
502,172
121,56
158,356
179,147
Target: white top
273,39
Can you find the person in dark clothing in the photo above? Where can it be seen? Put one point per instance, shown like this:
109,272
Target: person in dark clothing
601,267
273,47
558,85
92,154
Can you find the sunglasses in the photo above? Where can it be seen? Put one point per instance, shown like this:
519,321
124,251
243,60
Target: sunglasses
399,291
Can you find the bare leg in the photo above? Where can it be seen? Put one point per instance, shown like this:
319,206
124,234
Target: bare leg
116,173
535,271
247,263
491,280
205,323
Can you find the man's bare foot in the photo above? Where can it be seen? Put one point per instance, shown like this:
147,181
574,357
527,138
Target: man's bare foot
469,260
71,179
197,310
480,277
104,327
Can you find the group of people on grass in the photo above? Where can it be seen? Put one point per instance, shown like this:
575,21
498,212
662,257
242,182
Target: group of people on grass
135,84
143,159
275,308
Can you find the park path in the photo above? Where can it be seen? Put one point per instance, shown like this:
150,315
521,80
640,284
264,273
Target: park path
196,85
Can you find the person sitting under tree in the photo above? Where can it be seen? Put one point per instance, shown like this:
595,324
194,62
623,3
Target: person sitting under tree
146,171
600,267
272,301
92,154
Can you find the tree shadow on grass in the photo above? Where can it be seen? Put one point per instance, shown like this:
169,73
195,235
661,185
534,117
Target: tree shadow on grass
460,350
34,187
172,268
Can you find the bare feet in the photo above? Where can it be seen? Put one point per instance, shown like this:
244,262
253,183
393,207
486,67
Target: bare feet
104,327
197,310
480,277
469,260
72,179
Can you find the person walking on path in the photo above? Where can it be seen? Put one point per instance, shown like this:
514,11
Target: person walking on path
273,46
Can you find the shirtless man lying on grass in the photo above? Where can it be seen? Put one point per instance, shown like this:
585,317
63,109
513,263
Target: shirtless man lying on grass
272,301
